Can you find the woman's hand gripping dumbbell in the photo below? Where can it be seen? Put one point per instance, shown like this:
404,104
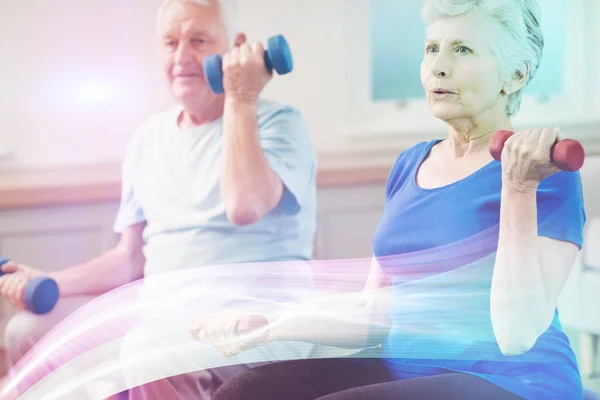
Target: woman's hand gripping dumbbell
566,154
25,287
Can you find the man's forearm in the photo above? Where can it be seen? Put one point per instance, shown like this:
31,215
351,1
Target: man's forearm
110,270
250,187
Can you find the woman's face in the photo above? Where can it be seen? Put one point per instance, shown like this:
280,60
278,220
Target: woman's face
459,71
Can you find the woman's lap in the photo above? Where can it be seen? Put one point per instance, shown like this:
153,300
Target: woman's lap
448,386
349,379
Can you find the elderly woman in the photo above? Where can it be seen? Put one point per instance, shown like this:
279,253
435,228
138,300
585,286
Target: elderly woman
478,58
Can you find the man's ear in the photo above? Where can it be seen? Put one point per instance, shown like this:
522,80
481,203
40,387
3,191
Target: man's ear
240,39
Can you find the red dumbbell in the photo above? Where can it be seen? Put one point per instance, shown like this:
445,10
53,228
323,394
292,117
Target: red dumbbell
567,154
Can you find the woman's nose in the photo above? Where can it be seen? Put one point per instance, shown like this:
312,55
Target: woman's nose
440,69
441,66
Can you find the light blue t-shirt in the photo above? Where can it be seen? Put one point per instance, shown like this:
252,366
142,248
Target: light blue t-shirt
171,180
438,248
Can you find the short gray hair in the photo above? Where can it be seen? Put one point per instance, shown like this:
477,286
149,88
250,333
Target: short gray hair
229,13
520,41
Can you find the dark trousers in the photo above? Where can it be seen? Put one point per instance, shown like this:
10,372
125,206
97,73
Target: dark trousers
352,379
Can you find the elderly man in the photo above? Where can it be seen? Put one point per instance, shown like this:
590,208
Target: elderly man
218,179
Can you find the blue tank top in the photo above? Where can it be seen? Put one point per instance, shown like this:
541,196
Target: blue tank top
438,248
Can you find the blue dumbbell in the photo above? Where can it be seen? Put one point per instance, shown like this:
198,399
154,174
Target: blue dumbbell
277,56
41,293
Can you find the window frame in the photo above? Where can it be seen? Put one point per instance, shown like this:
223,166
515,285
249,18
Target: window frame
577,109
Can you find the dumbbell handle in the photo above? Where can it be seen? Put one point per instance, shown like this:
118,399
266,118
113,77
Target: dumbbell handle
268,62
41,293
566,154
249,324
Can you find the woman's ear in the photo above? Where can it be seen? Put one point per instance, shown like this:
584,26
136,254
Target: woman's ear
517,82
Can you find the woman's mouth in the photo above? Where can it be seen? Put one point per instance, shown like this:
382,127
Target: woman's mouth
440,91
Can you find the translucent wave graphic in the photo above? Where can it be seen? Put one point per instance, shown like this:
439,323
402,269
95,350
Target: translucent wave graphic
438,304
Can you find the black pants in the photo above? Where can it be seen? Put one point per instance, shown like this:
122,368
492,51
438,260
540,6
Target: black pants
351,379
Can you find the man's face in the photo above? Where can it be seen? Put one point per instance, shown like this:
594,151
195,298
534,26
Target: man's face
190,32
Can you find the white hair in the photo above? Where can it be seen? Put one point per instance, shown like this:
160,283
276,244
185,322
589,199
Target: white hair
229,13
519,43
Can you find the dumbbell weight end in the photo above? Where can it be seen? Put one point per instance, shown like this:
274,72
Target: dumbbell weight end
41,293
